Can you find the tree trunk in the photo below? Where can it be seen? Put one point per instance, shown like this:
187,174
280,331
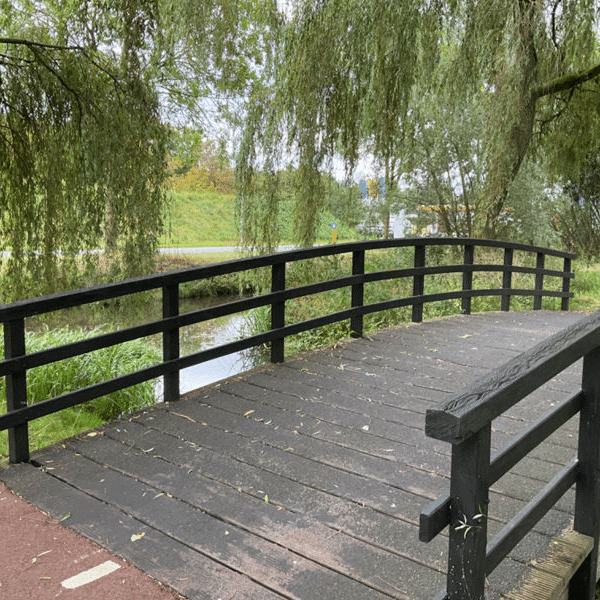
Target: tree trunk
386,223
518,130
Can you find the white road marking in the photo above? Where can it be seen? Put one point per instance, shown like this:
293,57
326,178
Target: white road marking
106,568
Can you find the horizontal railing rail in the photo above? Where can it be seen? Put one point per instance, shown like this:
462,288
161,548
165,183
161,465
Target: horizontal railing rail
465,421
17,361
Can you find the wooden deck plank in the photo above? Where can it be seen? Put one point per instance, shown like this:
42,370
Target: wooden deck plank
337,513
355,443
388,425
245,535
305,480
264,524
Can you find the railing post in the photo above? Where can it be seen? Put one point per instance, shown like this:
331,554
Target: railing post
566,286
418,283
16,391
507,278
171,342
358,293
587,494
539,281
277,311
468,509
467,284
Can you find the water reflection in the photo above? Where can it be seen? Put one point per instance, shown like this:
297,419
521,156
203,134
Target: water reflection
212,334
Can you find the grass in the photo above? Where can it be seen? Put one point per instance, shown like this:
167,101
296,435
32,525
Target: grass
586,287
197,219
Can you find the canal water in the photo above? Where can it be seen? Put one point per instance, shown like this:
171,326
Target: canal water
213,334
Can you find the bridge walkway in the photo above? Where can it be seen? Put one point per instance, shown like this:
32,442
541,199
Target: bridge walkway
305,480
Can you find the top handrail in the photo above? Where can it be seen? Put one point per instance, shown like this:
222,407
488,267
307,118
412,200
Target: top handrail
464,414
61,300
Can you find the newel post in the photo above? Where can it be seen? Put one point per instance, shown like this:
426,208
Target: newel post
171,342
587,492
16,390
277,311
469,500
507,278
358,293
539,281
418,283
566,285
467,285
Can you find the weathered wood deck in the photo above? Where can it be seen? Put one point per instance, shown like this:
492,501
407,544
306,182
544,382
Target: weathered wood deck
305,480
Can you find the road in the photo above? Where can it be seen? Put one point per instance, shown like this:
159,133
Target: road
198,250
212,249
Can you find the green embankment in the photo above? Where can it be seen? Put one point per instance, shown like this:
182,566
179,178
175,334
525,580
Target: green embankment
197,219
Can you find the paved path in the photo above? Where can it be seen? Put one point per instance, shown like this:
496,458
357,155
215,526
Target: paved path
196,250
213,249
305,480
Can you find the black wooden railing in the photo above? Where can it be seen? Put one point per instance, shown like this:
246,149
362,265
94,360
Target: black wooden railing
18,361
465,421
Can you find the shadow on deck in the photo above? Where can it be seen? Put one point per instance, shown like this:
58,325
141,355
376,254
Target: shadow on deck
305,480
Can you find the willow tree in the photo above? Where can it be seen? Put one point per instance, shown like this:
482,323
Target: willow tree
81,144
88,93
353,77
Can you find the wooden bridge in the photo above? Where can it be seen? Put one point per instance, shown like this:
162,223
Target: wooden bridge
314,478
305,480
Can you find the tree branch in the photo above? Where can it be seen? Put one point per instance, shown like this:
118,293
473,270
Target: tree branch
32,44
568,82
36,49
